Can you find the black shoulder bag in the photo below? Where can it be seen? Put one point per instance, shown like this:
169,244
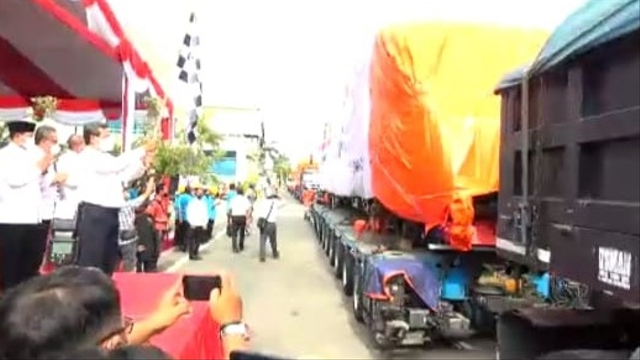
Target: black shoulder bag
262,222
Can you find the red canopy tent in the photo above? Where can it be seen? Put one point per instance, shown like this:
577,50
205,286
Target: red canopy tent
77,52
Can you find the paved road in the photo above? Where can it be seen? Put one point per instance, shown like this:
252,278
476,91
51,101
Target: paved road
294,305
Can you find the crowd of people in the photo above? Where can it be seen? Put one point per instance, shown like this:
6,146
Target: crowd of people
89,192
196,208
83,190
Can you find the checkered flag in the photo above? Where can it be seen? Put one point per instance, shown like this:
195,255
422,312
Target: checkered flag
189,64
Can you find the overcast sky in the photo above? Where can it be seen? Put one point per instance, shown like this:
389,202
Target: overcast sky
290,57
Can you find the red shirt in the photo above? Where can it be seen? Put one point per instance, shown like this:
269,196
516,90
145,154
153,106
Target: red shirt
159,211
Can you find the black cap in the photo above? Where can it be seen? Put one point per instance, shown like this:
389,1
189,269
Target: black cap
21,126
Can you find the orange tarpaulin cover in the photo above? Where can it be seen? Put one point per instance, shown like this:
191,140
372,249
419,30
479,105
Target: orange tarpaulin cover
435,123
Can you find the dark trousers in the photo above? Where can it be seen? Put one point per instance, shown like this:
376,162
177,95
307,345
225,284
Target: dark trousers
147,266
181,234
98,231
178,234
22,249
269,233
210,225
195,237
238,226
158,243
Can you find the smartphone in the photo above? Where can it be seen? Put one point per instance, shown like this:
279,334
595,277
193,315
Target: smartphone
199,287
242,355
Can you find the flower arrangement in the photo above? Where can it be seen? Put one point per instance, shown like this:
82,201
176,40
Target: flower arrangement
43,107
154,107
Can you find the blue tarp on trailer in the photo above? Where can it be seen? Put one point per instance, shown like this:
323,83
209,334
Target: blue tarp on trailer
593,24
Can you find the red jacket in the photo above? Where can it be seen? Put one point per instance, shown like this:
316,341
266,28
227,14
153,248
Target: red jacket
159,210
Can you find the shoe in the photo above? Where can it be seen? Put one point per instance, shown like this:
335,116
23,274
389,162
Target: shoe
276,256
236,251
195,257
263,259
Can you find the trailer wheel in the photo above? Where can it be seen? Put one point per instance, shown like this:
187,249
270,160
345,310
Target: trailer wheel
338,262
321,231
347,273
327,242
356,301
333,245
325,235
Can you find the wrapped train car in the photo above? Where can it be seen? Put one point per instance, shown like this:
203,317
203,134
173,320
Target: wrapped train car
410,223
434,134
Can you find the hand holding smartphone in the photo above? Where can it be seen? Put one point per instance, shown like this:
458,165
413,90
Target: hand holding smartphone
199,287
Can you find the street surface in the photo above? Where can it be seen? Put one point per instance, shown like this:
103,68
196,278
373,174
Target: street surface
294,305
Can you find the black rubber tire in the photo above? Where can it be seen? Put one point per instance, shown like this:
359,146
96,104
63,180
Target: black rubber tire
333,247
339,261
347,273
327,242
325,234
356,301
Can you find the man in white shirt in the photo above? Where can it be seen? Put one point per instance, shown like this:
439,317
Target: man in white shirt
239,212
267,214
21,169
69,194
46,140
197,218
101,196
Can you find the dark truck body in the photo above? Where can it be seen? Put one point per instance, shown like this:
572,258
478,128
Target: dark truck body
584,170
569,199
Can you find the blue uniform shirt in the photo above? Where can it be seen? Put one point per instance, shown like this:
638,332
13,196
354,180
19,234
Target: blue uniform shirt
183,201
211,206
230,195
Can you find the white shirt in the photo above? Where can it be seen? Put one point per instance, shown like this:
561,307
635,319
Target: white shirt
69,163
49,192
239,205
103,174
19,185
197,212
262,210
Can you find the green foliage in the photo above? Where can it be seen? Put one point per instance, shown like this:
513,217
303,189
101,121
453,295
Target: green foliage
180,158
282,167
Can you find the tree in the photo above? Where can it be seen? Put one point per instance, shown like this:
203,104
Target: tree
180,158
282,168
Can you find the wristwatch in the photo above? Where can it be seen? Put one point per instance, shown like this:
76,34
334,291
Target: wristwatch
234,329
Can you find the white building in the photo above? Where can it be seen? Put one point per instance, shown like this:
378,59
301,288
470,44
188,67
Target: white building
241,129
